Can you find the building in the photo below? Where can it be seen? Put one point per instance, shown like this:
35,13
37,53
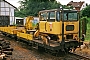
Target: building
19,21
77,5
6,13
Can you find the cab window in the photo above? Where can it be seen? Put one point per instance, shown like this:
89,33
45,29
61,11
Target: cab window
72,16
65,16
43,16
58,16
51,16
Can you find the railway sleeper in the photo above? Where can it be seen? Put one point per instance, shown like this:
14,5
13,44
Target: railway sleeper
5,48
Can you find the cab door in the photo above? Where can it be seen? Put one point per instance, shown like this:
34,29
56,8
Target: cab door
43,21
53,23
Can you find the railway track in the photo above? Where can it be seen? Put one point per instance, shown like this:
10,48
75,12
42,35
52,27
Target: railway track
45,56
79,57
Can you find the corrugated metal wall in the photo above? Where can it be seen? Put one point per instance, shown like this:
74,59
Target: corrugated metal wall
6,13
4,20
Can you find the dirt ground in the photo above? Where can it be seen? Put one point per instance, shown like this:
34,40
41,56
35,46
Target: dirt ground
84,50
21,52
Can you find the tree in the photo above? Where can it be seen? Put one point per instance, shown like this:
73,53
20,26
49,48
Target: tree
67,7
32,7
86,11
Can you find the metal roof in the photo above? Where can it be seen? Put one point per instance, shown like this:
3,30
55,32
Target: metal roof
58,10
9,4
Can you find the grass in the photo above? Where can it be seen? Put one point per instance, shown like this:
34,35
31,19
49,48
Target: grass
87,38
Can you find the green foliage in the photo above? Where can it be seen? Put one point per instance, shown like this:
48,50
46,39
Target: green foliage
32,7
87,38
67,7
84,21
84,18
86,11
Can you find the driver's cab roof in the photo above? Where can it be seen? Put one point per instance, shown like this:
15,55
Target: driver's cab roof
67,10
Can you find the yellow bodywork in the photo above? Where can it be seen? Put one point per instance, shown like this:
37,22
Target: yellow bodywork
76,27
28,24
24,35
10,30
56,28
59,23
20,32
50,27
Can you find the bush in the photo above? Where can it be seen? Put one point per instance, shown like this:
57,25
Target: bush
84,21
86,11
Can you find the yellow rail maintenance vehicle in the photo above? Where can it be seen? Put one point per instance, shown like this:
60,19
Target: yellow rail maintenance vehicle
57,30
60,29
